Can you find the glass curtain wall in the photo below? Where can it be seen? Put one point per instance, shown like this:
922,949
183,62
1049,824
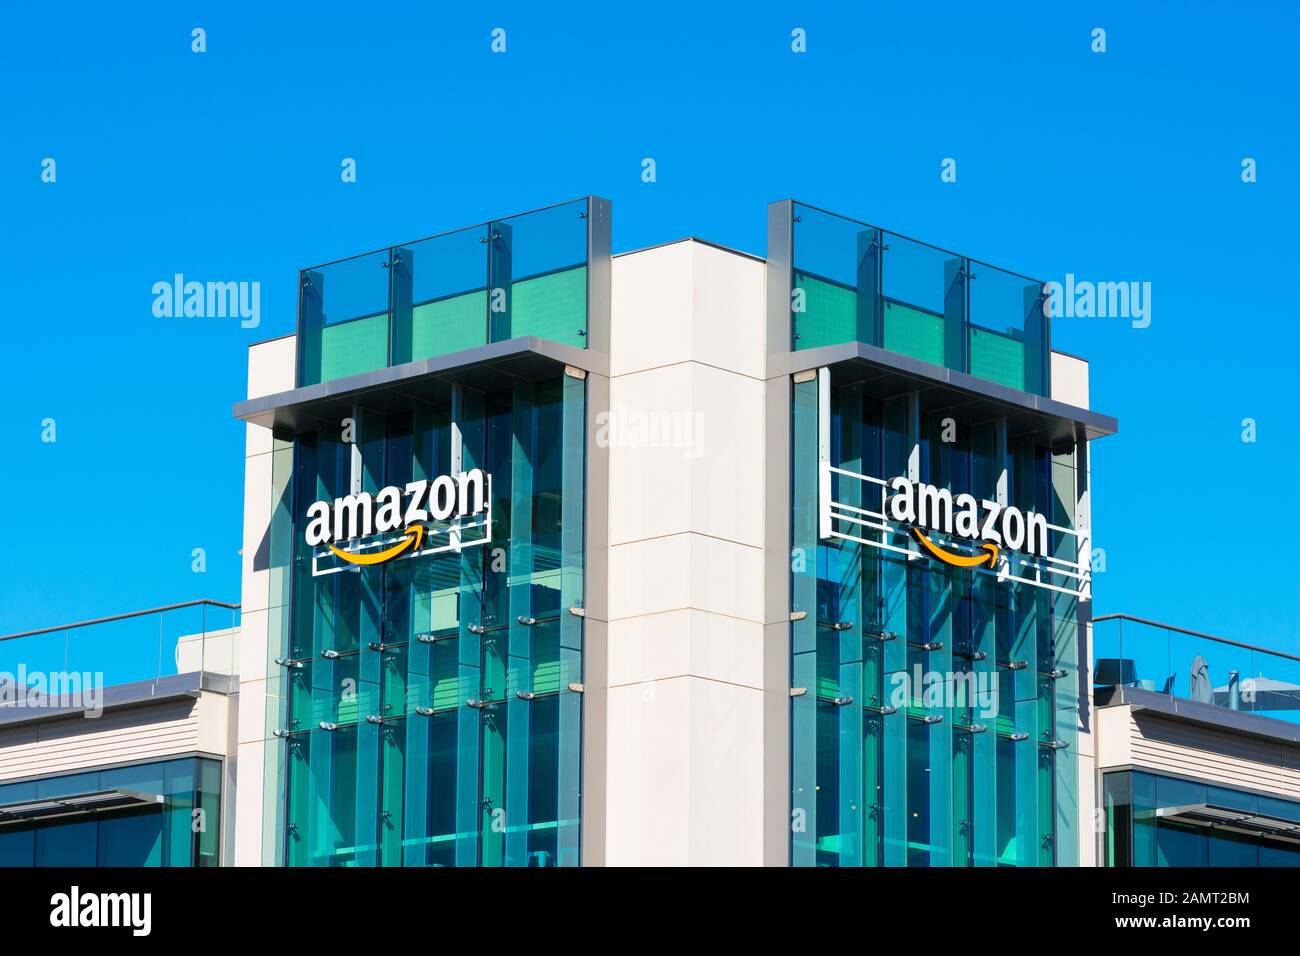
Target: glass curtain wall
937,722
1143,828
425,714
183,829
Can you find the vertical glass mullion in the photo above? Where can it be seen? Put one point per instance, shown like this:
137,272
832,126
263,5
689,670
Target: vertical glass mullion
495,640
500,281
984,650
803,632
417,728
872,685
311,304
1025,679
955,272
401,289
367,613
1065,647
572,547
467,452
900,456
850,609
520,564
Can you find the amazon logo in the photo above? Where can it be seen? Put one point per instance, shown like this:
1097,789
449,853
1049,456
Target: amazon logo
989,526
339,524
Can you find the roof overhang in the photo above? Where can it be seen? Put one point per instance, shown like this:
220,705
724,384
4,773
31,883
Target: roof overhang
885,374
1194,712
386,390
1247,822
88,802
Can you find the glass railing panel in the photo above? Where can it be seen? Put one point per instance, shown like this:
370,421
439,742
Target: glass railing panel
123,651
129,649
538,275
836,280
1008,331
922,299
23,658
1197,668
447,278
1272,689
343,321
1208,671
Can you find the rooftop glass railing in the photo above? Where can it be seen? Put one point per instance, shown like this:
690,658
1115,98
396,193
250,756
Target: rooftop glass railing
1132,652
149,645
854,282
524,275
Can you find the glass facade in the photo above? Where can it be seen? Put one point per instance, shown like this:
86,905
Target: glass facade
426,711
934,709
184,829
525,275
852,282
1156,820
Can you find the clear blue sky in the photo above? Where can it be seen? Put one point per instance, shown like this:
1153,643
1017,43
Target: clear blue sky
225,166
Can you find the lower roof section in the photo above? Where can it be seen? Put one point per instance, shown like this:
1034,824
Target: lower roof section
885,374
485,367
1194,712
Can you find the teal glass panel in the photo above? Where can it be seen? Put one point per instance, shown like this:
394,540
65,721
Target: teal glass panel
923,290
1117,807
343,318
836,296
207,822
180,785
1008,330
539,276
449,297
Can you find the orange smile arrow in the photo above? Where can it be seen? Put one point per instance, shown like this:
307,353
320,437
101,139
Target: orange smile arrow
414,535
990,557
